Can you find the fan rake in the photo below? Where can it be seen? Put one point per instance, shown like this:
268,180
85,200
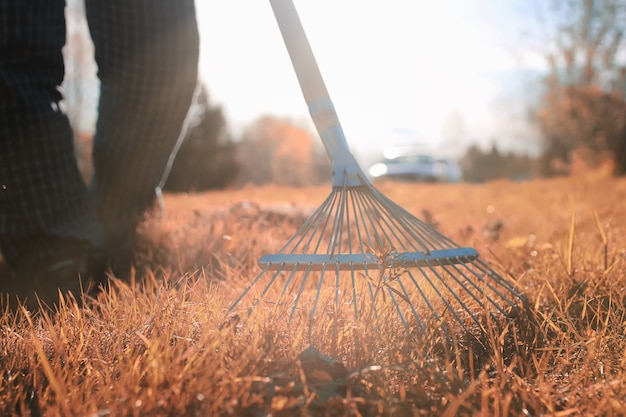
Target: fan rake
360,247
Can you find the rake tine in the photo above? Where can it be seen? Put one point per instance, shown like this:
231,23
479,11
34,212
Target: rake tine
295,302
336,231
412,307
319,290
410,227
282,292
499,279
337,288
455,295
350,203
326,222
383,223
271,282
441,297
304,230
480,290
408,233
377,220
317,220
424,297
371,295
398,309
362,215
408,221
316,227
486,271
354,295
247,289
357,223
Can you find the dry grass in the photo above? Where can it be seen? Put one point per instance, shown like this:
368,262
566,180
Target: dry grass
165,345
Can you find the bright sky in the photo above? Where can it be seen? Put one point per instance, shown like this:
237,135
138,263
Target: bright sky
390,66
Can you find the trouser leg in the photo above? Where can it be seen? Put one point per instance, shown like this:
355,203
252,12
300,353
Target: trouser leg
147,56
41,190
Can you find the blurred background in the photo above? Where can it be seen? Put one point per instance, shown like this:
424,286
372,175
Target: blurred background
454,90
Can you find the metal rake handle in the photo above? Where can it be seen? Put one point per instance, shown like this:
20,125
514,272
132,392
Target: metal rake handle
346,170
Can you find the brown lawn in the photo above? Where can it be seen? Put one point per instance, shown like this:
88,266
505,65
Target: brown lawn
165,344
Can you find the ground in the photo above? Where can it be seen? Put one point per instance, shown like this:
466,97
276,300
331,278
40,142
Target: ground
167,344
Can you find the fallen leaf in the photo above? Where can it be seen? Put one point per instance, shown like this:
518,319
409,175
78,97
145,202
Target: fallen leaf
516,242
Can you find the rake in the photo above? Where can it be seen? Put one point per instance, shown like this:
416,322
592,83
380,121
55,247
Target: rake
359,247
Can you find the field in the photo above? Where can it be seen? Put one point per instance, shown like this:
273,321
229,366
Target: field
164,344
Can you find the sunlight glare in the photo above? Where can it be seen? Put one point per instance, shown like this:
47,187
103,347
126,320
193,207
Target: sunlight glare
398,64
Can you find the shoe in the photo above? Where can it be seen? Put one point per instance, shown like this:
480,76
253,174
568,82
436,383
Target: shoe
121,244
57,264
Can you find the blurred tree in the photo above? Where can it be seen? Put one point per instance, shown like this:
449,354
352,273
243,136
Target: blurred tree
587,120
584,104
207,159
481,166
276,151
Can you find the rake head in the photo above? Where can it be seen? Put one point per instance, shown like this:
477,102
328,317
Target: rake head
361,250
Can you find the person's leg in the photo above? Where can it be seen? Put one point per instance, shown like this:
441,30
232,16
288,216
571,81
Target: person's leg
44,202
147,56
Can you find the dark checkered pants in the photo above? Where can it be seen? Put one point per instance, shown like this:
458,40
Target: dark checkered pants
147,56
